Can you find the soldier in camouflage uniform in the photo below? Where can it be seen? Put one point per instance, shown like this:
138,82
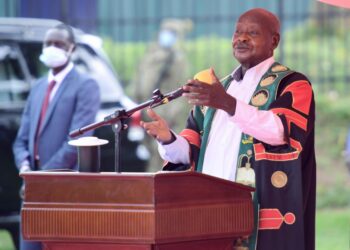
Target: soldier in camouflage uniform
165,67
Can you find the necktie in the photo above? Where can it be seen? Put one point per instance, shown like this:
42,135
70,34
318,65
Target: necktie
42,117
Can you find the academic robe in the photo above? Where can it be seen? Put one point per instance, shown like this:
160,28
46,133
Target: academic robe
285,175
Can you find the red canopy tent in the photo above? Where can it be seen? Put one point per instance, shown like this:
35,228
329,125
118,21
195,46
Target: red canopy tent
339,3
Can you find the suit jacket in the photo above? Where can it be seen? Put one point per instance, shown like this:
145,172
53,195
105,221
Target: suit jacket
74,105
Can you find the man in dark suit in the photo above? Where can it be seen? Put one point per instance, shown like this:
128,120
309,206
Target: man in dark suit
60,102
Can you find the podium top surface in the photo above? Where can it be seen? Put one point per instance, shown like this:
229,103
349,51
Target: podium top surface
141,189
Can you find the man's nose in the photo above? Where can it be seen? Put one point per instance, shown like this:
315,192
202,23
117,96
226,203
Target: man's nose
242,37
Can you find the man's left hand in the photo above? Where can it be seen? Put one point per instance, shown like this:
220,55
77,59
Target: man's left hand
212,95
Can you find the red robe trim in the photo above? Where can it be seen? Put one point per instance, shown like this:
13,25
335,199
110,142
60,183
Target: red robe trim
272,218
302,94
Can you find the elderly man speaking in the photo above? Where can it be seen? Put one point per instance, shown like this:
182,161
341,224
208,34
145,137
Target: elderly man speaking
256,127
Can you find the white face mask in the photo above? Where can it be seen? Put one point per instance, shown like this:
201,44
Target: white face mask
53,57
167,38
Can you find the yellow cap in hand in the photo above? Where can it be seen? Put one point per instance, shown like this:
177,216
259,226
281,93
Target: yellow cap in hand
204,76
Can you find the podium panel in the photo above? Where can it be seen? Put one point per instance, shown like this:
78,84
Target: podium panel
165,210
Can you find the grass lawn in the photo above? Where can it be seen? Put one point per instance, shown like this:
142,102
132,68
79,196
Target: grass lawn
333,231
5,241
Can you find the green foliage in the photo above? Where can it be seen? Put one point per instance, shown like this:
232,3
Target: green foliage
320,55
124,57
303,50
333,196
201,53
334,105
332,123
213,52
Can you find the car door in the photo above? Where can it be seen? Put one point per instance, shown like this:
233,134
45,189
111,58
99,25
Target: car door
14,89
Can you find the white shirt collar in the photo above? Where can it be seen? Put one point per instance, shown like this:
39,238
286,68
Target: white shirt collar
258,70
61,75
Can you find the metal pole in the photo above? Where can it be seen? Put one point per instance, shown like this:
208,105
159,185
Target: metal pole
117,128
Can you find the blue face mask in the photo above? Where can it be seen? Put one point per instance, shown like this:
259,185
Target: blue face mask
167,38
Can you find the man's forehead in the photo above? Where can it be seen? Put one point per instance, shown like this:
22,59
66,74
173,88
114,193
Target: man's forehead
261,19
57,34
249,24
252,16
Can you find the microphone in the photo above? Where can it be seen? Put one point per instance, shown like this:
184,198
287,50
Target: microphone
168,97
174,94
203,76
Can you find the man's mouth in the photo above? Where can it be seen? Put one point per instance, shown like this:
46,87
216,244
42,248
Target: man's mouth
241,48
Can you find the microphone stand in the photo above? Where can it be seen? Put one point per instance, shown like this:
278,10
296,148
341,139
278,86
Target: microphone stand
118,120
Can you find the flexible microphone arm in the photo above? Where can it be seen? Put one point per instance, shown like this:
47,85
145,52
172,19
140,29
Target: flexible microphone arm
157,99
169,97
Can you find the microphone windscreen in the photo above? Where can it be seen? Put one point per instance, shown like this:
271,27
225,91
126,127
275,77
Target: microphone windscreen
204,76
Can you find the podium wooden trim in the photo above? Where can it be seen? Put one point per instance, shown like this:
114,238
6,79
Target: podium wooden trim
165,210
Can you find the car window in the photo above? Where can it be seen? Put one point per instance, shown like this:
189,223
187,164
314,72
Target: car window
31,52
13,86
87,61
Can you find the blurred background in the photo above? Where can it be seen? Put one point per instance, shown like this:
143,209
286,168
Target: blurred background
161,43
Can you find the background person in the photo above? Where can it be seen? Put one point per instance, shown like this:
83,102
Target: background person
164,66
60,102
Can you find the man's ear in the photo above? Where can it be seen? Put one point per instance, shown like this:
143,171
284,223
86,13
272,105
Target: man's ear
275,40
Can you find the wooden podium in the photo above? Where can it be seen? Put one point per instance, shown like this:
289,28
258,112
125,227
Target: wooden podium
165,210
